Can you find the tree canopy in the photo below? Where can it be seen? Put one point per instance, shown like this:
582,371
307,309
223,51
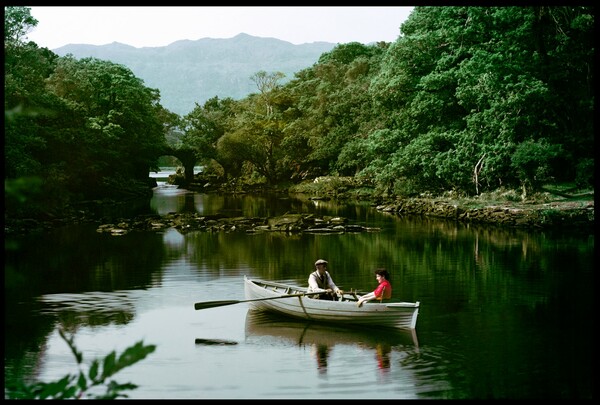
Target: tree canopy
467,99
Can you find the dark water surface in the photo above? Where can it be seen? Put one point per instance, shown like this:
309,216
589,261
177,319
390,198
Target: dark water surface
504,313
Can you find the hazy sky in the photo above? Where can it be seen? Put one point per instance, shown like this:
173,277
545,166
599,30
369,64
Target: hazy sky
161,26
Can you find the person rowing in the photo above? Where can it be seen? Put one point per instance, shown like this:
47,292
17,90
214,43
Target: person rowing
320,280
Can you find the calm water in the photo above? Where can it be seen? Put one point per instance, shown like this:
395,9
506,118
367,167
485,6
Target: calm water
504,313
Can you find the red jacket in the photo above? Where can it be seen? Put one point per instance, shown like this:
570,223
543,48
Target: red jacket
384,288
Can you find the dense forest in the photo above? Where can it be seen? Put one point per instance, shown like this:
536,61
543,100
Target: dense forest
466,100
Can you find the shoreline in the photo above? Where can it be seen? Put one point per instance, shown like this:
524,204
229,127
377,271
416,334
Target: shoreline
559,214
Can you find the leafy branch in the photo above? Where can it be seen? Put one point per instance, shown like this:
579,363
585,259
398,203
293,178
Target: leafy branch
76,386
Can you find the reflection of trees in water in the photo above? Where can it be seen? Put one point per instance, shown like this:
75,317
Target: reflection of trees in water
71,260
72,319
189,204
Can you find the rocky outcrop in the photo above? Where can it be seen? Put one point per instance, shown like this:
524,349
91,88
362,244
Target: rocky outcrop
575,214
187,222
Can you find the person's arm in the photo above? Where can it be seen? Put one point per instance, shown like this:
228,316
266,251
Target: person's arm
332,285
367,297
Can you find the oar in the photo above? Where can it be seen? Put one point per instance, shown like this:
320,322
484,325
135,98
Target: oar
212,304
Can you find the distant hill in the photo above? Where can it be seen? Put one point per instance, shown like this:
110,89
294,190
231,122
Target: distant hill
188,72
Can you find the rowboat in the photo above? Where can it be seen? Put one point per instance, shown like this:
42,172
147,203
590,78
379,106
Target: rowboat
297,302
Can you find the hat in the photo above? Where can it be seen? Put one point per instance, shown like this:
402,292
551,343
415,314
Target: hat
320,261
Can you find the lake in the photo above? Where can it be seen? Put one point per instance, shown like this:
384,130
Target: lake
505,313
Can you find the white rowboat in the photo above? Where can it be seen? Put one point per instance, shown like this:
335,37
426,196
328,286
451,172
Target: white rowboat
293,301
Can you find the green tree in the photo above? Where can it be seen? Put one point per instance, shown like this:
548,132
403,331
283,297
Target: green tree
25,68
86,129
26,105
333,110
18,22
255,138
267,83
255,134
465,86
116,132
204,126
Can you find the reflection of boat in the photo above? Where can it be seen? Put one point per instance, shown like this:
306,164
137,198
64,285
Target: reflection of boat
292,301
261,323
322,338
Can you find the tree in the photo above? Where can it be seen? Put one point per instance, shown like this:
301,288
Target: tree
465,86
204,125
333,110
119,131
18,22
256,138
266,84
26,105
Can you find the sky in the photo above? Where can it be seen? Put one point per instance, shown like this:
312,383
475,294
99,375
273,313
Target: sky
161,26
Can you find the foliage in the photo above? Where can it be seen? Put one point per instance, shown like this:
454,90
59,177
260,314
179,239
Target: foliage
205,125
584,173
78,125
18,21
333,111
326,186
467,99
81,385
532,162
20,195
471,83
255,136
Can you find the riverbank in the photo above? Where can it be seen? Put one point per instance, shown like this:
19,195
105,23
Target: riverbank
543,211
549,208
563,214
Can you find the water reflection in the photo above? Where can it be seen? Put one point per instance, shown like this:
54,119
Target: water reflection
169,198
322,338
494,305
90,308
383,351
321,353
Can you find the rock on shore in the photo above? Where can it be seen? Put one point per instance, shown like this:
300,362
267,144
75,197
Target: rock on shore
556,214
187,222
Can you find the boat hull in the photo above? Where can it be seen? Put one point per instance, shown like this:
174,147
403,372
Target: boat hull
401,315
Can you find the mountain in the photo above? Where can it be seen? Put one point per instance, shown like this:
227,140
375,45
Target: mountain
188,72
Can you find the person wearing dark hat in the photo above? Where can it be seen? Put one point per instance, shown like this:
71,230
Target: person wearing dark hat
320,280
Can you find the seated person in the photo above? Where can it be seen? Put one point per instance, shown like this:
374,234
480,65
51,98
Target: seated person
383,290
320,280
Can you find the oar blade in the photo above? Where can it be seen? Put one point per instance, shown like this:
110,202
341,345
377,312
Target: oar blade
213,304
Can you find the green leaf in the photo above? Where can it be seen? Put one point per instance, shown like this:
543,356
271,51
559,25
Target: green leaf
54,389
93,373
108,367
70,392
82,382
